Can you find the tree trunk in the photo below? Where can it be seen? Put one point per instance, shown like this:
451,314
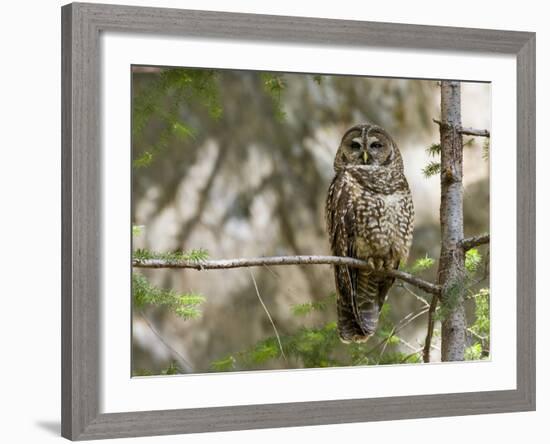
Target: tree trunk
451,262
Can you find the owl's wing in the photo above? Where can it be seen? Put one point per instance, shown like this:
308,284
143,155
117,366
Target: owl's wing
341,227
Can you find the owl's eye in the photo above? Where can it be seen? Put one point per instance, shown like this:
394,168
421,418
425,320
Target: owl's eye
376,145
355,145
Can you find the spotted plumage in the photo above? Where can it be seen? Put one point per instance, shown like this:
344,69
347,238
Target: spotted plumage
370,214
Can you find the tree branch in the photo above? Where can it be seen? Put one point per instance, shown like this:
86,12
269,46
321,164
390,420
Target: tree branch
430,331
268,315
428,287
474,241
184,363
474,132
468,131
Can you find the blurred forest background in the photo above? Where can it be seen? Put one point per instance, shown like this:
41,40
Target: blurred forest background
231,164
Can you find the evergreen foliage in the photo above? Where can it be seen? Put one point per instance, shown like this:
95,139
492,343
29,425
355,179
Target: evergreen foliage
422,264
137,230
317,347
481,328
309,307
486,148
184,305
171,369
274,85
431,169
434,150
159,104
472,260
195,255
453,297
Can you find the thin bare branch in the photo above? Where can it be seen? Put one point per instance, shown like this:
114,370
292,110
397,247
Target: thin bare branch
472,332
413,294
409,356
268,315
184,363
430,331
465,131
474,132
401,325
408,344
474,241
426,286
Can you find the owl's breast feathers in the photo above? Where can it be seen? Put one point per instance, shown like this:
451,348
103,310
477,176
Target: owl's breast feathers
370,207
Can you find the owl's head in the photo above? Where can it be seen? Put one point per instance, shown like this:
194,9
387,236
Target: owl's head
367,144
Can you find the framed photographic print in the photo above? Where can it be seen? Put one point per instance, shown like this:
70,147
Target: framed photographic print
278,221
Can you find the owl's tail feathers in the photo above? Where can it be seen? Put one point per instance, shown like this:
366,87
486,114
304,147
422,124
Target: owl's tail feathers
348,329
370,295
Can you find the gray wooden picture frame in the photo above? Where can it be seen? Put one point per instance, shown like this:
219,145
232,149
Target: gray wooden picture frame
81,231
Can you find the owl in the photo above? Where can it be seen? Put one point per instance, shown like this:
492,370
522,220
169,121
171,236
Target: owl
370,216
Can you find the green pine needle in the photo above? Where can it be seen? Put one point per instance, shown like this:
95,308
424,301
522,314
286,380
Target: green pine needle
472,260
482,325
310,307
181,87
453,296
485,149
144,160
274,85
172,369
431,169
434,149
422,264
137,230
182,131
224,365
473,353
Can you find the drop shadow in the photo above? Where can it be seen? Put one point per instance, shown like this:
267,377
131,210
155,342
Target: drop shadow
54,427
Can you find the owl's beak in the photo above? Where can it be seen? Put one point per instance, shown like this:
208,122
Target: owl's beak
365,157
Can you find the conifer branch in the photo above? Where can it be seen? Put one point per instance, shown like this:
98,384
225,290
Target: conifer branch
426,286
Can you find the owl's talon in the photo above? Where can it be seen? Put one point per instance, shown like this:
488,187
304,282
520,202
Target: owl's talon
379,264
360,339
354,338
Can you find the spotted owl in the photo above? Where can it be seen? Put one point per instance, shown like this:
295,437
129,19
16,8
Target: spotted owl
370,214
